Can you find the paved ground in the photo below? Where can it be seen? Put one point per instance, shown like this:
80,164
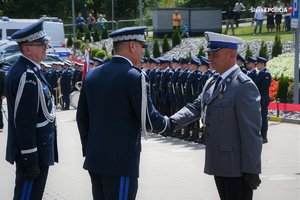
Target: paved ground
171,169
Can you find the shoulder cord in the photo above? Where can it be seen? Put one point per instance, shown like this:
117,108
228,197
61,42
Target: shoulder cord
49,116
144,108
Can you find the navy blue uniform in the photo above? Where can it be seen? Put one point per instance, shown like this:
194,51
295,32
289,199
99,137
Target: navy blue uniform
65,82
244,69
263,82
155,86
76,73
31,130
191,90
252,74
174,93
165,96
180,87
109,122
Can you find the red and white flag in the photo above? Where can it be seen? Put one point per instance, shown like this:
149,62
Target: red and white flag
86,62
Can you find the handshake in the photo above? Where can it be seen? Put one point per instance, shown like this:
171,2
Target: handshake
171,125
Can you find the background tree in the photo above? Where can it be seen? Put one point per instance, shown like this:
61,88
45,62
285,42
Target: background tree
147,53
87,37
70,40
96,36
249,52
104,34
165,45
263,51
79,35
201,51
277,46
156,50
176,38
282,89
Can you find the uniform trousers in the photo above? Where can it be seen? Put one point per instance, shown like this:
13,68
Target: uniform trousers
28,189
106,187
233,188
1,114
264,118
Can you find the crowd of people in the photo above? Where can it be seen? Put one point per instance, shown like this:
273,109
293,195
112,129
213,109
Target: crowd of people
90,22
274,16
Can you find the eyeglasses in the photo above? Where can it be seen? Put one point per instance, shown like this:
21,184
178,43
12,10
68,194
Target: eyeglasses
213,54
43,44
143,45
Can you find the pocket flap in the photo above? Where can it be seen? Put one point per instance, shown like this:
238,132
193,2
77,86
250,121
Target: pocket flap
229,147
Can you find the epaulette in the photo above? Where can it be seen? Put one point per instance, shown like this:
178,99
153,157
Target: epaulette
137,69
243,77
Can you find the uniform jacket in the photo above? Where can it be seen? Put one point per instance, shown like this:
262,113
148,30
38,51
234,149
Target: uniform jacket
31,136
109,118
204,77
252,74
65,81
263,82
232,125
191,86
2,85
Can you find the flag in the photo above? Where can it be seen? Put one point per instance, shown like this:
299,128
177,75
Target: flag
86,62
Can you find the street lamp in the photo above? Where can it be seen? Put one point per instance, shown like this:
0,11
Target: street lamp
73,19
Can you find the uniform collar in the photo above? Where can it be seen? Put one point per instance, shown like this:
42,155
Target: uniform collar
36,64
119,56
226,73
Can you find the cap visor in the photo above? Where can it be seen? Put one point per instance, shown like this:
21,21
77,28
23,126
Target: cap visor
210,49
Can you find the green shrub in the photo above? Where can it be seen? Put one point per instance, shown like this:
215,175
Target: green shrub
104,48
249,52
70,40
77,44
277,47
282,91
189,56
96,36
147,53
94,51
104,34
79,35
176,38
165,45
101,54
201,52
83,46
263,51
156,51
87,37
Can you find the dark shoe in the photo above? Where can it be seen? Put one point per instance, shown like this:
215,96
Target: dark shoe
265,140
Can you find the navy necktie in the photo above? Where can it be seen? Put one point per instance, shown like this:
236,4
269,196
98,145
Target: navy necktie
217,82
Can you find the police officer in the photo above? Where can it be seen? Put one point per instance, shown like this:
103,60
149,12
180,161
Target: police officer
97,61
77,75
233,143
31,142
153,63
173,83
251,61
114,106
191,93
263,82
180,88
206,74
165,79
65,82
240,61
